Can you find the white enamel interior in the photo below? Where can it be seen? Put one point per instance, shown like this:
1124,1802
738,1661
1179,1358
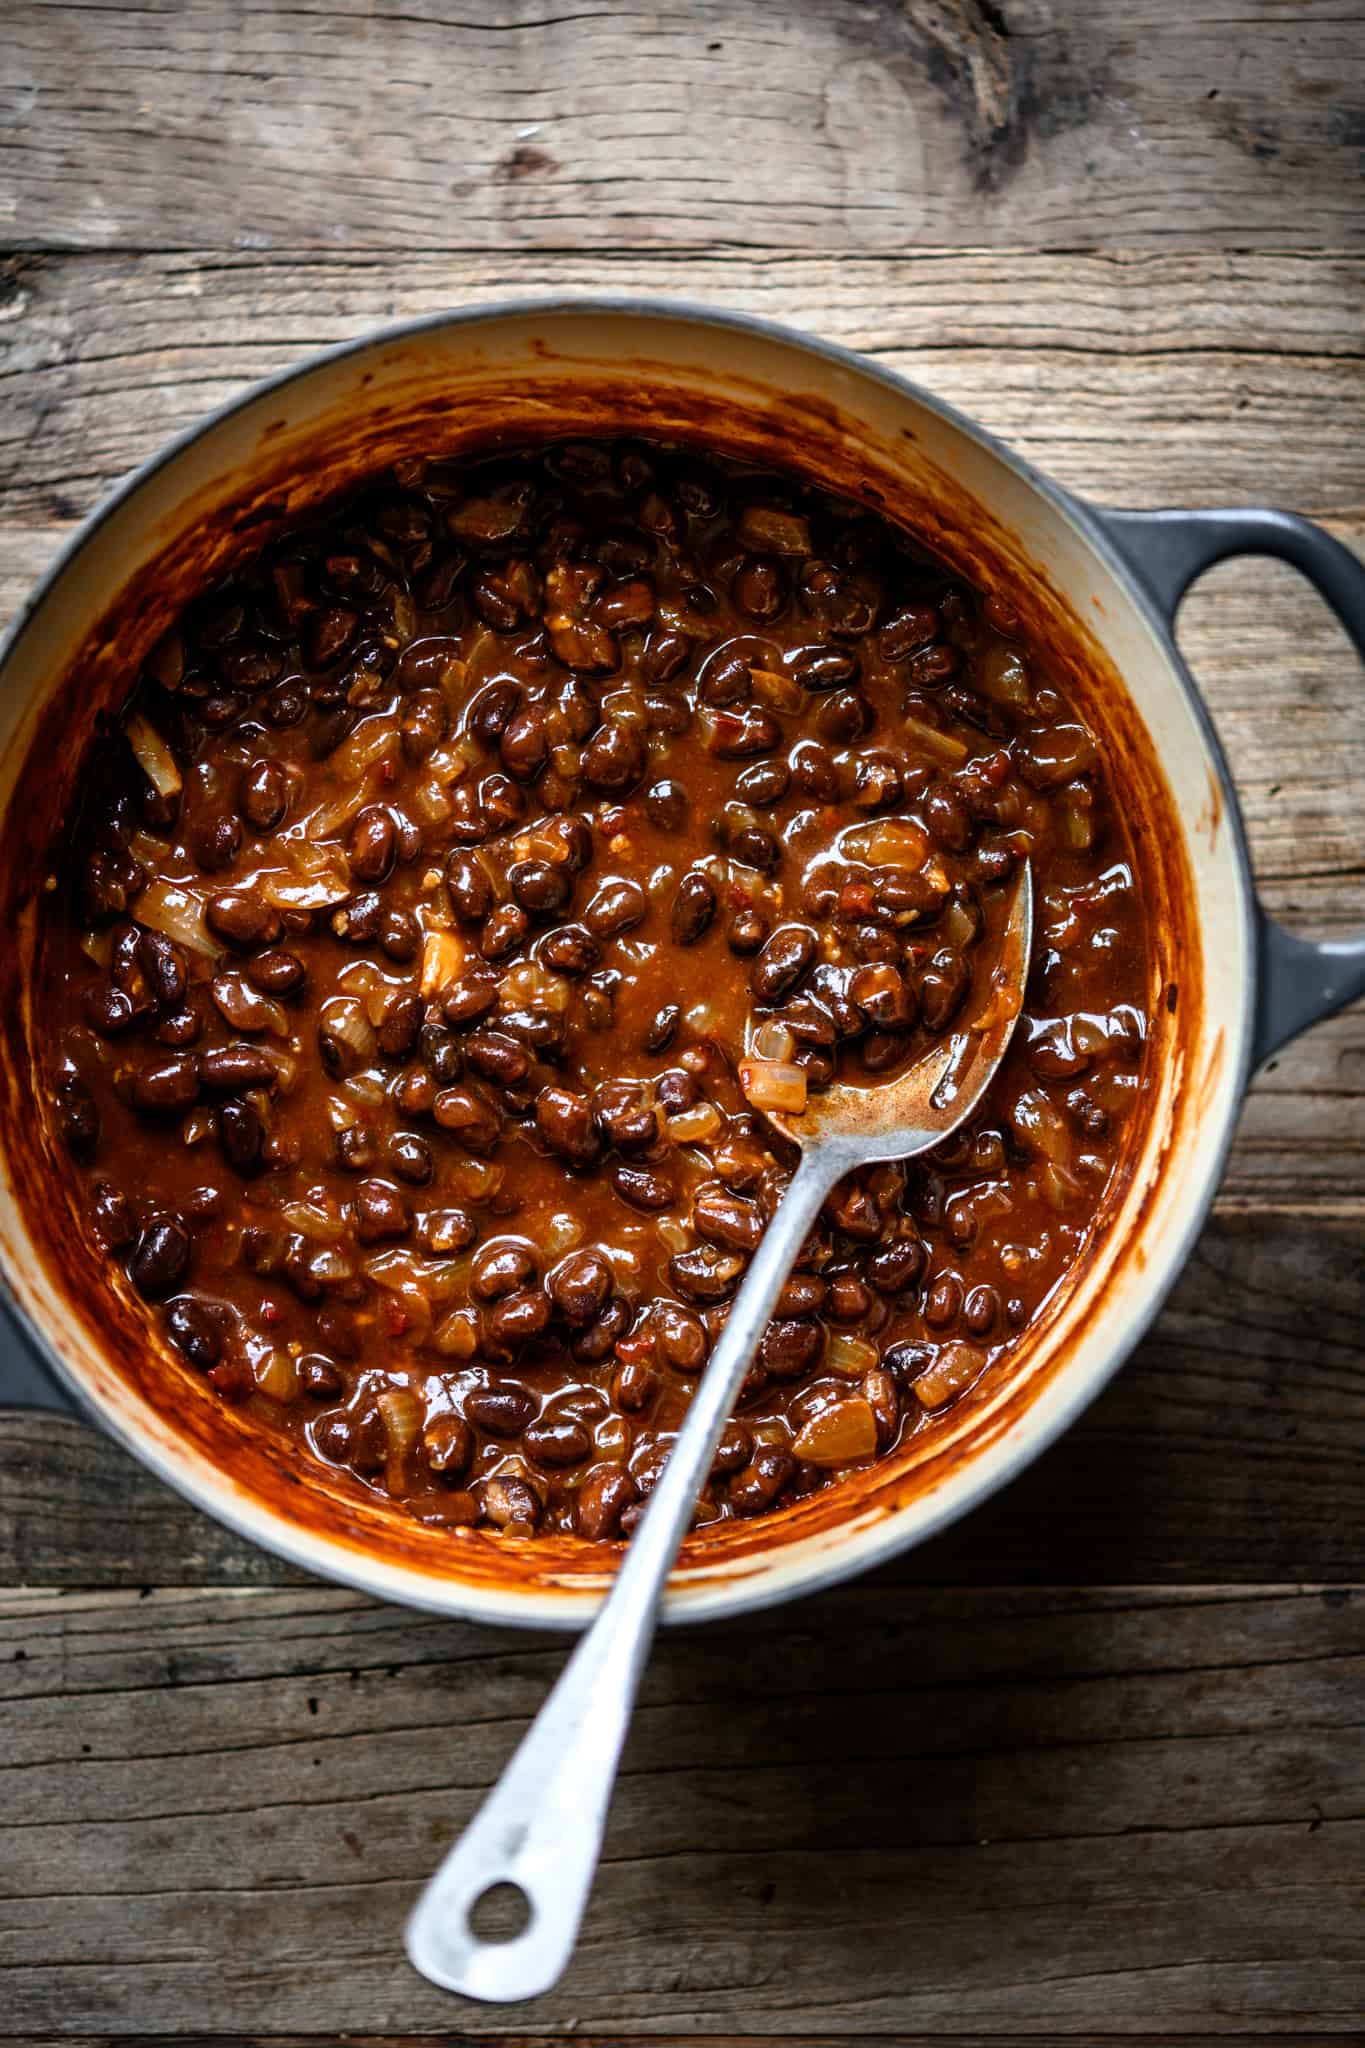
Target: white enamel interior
530,349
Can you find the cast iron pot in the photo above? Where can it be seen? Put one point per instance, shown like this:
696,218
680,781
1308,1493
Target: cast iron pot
1227,985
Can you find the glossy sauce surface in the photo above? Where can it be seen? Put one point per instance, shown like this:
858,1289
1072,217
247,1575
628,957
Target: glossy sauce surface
464,877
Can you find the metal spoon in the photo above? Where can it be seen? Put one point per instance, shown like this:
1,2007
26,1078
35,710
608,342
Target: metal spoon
540,1828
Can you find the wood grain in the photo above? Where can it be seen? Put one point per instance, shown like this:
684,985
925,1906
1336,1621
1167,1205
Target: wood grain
831,124
1229,1448
1135,379
1059,1813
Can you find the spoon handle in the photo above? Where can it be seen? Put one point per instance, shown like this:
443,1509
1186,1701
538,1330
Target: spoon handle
540,1828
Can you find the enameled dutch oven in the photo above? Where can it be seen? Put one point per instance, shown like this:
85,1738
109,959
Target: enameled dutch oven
1227,986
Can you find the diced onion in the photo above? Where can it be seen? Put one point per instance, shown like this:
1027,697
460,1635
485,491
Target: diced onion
443,958
694,1126
849,1356
401,1413
562,1234
773,1041
774,1085
430,801
372,739
276,1373
939,746
168,908
952,1372
890,843
154,757
317,894
311,1220
457,1336
329,818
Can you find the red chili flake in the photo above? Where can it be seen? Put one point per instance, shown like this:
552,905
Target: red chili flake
639,1344
388,771
271,1311
856,899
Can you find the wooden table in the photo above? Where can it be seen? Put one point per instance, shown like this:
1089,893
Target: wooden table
1091,1765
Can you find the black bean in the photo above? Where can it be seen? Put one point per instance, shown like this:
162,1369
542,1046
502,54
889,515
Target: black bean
614,758
557,1443
514,1321
448,1445
423,724
380,1212
762,1479
912,627
243,918
231,1068
399,934
617,907
680,1338
372,844
735,734
525,744
471,997
790,1347
113,1216
788,954
704,1274
943,988
193,1330
497,1057
502,1411
844,716
898,1265
503,931
727,1219
331,728
758,589
398,1029
943,1303
580,1287
166,1086
767,782
662,1028
409,1157
473,1120
665,652
605,1492
694,907
241,1135
666,805
539,887
597,1342
165,967
883,996
565,1122
469,886
110,1010
508,1502
439,1050
571,950
825,668
275,973
160,1259
263,795
644,1188
746,931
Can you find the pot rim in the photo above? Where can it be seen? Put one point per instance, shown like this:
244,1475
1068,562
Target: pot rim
861,1546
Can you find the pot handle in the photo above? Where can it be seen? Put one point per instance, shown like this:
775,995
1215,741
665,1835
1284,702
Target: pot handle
1299,980
24,1383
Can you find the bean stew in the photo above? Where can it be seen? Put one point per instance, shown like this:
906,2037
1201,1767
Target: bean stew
467,876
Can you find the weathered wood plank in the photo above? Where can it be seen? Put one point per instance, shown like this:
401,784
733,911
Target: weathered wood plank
1048,1813
1166,378
1228,1448
403,123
